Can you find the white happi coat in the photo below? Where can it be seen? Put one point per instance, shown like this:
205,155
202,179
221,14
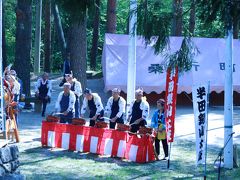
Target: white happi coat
77,87
121,104
144,106
72,100
97,101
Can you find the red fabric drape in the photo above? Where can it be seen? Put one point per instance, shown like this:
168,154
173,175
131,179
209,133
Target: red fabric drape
142,145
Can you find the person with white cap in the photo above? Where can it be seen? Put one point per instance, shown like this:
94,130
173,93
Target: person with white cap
65,104
43,89
19,93
138,111
116,108
93,102
77,89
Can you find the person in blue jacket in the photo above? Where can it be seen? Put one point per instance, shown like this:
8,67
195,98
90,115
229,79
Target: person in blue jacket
158,123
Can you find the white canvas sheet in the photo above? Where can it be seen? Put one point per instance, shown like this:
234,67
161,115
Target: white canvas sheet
208,67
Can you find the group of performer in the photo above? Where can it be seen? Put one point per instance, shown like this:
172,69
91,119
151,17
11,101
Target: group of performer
68,107
115,108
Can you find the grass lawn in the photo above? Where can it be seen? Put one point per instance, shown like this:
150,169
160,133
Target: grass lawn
44,163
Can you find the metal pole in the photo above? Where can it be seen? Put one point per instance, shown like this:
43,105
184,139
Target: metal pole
38,36
228,92
206,138
131,78
169,155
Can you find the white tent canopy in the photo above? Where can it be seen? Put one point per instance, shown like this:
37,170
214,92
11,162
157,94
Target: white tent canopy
209,64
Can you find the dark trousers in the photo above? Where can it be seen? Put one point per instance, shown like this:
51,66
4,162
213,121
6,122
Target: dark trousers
164,144
92,122
77,108
67,118
135,127
113,124
44,104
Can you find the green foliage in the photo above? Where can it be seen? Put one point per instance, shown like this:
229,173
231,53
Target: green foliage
184,57
122,26
77,8
122,16
10,28
209,10
212,12
154,19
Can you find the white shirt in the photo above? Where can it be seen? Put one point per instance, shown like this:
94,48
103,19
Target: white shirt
77,87
72,100
16,87
49,85
97,101
144,106
121,104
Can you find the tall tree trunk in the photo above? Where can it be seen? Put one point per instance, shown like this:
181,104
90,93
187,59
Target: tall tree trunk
78,49
4,45
235,21
24,42
111,16
94,50
192,18
47,45
177,18
59,29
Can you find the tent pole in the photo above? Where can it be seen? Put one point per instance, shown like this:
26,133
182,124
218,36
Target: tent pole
131,77
38,36
228,91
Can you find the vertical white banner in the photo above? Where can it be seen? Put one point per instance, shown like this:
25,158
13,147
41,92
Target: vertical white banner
200,107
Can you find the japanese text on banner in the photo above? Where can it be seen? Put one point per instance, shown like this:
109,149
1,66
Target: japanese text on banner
200,116
171,99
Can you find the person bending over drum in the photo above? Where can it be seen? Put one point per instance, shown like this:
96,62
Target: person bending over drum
116,108
65,104
92,102
138,111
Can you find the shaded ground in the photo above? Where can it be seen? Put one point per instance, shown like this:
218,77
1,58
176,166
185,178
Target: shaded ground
44,163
